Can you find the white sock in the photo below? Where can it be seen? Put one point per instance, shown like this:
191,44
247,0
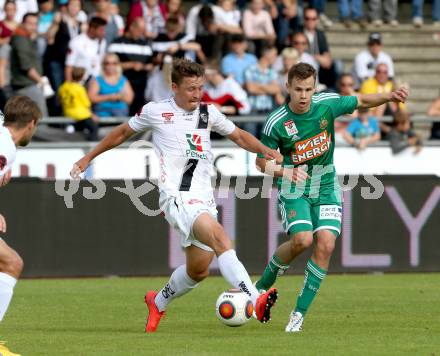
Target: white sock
179,284
7,284
235,273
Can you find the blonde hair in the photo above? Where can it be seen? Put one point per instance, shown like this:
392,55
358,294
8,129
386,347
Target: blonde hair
290,53
78,74
111,56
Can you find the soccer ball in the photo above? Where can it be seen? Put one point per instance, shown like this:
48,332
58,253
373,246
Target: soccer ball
234,308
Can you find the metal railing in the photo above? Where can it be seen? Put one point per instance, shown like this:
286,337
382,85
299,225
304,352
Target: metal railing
424,119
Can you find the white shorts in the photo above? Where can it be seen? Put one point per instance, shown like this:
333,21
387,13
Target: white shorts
182,211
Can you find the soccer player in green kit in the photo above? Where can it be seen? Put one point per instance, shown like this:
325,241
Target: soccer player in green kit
309,194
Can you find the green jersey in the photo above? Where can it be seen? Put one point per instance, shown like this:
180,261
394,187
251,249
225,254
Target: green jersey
308,139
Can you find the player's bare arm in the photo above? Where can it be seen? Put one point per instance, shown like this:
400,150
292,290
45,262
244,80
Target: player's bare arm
278,171
2,224
247,141
4,179
371,100
117,136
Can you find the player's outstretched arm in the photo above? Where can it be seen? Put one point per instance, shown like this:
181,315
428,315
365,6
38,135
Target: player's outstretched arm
298,174
247,141
115,137
371,100
2,224
5,178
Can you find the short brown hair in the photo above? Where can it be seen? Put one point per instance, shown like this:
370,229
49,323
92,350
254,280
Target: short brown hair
172,23
301,71
78,73
20,110
183,67
96,22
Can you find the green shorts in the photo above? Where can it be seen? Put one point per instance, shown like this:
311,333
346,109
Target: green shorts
311,214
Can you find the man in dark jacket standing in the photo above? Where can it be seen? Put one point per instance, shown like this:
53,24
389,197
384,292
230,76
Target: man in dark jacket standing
26,66
319,49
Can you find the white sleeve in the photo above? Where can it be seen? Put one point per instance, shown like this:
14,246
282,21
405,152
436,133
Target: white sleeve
220,123
6,158
32,6
72,53
81,17
192,21
241,96
163,46
119,23
218,14
142,121
360,66
390,64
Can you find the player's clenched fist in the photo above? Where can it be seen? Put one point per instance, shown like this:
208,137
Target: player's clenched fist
296,175
2,224
79,167
400,94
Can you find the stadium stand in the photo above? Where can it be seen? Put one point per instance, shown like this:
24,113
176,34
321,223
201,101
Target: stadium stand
414,49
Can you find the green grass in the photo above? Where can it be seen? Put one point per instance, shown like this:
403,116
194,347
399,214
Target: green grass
352,315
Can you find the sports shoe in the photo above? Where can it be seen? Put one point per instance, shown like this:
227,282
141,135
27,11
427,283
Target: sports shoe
264,303
417,21
363,24
154,314
347,23
4,351
325,21
377,23
295,322
393,23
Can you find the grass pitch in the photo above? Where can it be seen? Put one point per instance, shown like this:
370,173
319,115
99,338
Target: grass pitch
352,315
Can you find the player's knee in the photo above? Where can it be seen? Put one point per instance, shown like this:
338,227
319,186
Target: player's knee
326,247
198,274
303,240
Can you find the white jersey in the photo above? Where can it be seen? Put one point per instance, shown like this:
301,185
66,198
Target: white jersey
182,143
7,150
364,65
87,53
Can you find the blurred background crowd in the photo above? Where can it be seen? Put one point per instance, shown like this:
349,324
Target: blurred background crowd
102,58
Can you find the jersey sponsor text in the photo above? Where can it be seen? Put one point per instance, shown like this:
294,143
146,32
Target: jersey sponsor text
311,148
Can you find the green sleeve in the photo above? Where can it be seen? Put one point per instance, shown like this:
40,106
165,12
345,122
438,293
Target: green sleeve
271,141
344,105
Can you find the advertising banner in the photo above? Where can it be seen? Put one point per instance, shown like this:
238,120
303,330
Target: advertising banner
114,227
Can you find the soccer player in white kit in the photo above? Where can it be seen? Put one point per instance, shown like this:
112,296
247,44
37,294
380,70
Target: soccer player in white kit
181,129
21,116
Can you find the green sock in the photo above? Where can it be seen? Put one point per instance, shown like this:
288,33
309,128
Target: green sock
274,268
314,276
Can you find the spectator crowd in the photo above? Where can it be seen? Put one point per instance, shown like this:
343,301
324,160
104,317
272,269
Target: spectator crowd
98,63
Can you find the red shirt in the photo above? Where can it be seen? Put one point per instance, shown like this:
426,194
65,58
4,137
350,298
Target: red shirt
5,31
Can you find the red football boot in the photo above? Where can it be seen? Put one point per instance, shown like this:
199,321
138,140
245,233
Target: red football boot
154,314
264,303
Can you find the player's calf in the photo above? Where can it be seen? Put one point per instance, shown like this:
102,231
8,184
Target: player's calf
10,261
